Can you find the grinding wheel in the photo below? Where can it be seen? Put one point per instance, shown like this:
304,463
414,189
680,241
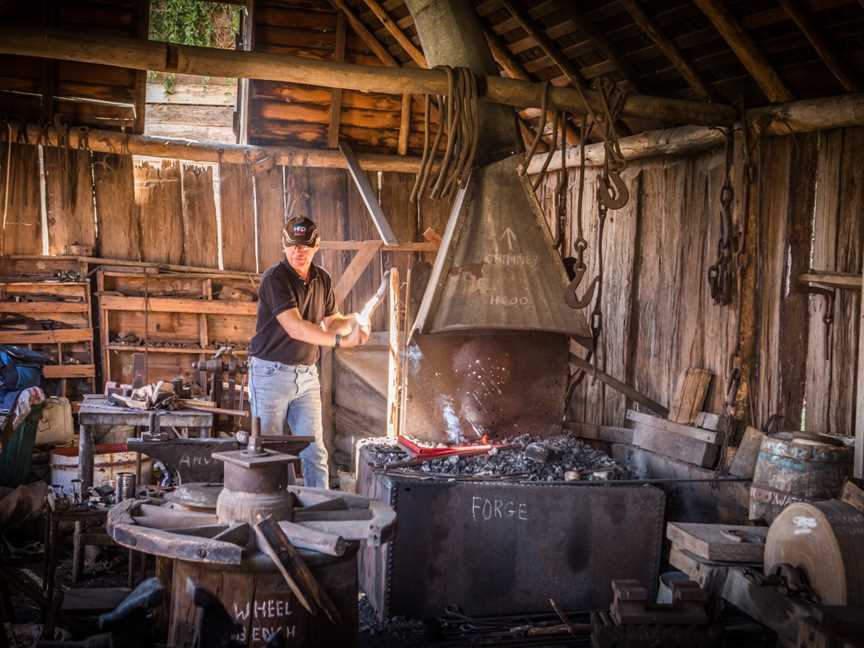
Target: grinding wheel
826,541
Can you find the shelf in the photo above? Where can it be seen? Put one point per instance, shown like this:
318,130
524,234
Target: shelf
80,284
152,349
174,305
55,336
44,307
69,371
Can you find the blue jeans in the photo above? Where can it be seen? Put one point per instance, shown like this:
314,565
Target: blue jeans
280,393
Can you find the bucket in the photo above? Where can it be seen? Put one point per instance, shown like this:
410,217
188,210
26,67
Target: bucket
791,469
109,461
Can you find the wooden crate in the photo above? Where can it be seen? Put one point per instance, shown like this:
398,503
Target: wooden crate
73,369
178,318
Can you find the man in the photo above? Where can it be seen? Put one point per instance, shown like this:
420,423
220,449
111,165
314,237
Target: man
297,313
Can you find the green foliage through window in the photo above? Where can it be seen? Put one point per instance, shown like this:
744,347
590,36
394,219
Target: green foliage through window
194,22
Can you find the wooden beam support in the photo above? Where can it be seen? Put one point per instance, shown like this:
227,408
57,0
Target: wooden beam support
651,29
387,59
404,125
394,354
336,93
859,406
746,50
804,116
569,69
104,141
139,54
377,47
514,70
619,386
396,32
355,269
838,67
368,196
842,280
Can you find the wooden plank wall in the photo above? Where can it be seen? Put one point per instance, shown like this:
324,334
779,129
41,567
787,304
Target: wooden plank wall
658,314
20,214
82,93
298,114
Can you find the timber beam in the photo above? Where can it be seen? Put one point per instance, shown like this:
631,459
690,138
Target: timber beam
104,141
742,44
140,54
804,116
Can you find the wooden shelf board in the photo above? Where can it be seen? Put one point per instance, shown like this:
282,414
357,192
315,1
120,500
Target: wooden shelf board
47,337
44,307
154,349
69,371
173,305
44,283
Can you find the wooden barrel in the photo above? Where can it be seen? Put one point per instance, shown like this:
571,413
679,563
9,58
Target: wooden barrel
256,595
826,541
793,469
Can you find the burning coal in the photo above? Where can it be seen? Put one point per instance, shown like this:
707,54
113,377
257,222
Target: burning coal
526,457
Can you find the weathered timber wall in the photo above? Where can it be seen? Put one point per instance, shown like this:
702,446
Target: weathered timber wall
658,315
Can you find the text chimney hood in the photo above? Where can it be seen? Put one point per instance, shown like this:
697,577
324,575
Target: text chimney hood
497,268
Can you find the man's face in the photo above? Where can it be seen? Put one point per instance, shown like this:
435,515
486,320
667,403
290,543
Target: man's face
300,256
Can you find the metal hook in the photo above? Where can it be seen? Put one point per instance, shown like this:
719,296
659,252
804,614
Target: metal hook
614,195
571,297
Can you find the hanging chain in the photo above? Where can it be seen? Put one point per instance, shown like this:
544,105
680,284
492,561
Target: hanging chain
612,193
721,273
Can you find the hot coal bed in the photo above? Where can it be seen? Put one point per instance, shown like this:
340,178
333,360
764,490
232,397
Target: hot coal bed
501,533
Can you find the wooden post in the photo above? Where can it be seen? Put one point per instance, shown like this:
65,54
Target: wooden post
327,404
336,93
394,356
859,407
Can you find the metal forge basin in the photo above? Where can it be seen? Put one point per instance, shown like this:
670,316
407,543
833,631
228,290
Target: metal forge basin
502,548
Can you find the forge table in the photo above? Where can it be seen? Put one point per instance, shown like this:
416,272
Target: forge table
97,410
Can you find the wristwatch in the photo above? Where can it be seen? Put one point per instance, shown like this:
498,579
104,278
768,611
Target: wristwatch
336,341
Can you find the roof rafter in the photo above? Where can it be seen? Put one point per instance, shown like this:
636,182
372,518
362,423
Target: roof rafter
601,42
387,59
410,48
647,24
745,49
838,67
513,69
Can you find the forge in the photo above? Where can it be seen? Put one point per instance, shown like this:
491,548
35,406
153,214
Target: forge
487,360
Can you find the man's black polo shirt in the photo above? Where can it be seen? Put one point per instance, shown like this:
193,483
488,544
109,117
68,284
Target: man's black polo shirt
282,289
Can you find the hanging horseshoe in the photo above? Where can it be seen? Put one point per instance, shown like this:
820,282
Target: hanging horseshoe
614,195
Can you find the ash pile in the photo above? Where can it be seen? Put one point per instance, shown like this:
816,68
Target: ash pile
525,457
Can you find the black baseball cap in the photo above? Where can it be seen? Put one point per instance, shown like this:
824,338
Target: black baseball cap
300,231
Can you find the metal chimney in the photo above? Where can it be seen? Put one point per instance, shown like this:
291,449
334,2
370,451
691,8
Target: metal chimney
497,268
497,286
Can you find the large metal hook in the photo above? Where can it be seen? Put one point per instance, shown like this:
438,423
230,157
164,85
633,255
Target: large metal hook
571,297
614,195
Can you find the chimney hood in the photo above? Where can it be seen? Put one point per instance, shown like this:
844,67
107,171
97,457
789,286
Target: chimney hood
497,268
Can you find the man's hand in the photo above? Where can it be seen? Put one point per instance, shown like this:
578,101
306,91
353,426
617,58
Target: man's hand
358,336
